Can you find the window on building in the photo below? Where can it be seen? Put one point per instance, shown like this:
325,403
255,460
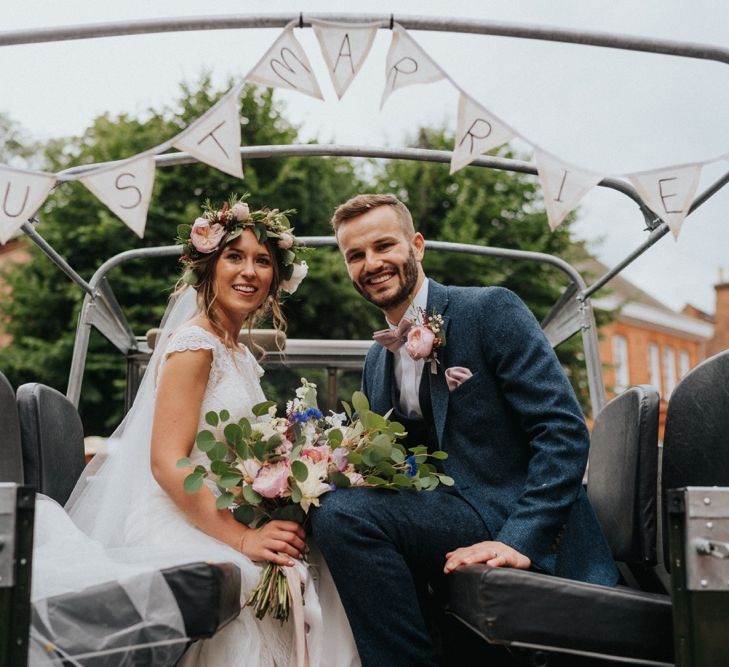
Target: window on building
669,371
620,363
654,366
683,363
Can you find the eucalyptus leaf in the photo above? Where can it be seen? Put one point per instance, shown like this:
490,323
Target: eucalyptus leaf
347,409
219,468
193,482
229,480
224,415
205,441
260,409
445,480
296,494
374,480
245,427
360,402
244,514
183,462
212,418
334,438
233,433
397,455
402,480
224,501
217,452
251,496
299,471
259,450
243,451
339,479
440,455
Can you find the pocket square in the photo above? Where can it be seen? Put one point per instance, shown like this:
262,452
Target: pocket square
456,375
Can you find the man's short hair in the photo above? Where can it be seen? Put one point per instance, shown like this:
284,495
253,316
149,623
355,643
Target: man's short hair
361,204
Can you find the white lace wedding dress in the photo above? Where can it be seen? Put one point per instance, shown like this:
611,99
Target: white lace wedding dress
149,530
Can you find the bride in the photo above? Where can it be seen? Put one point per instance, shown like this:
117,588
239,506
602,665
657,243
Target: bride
134,504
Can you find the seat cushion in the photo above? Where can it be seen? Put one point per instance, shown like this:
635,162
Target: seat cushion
507,606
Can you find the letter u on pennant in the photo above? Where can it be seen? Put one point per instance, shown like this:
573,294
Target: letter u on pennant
21,194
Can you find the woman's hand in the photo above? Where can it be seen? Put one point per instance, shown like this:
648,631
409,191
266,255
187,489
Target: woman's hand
495,554
276,541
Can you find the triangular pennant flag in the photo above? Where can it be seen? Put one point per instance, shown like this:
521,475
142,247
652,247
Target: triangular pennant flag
345,47
214,138
669,192
285,65
21,194
126,190
407,64
563,185
478,131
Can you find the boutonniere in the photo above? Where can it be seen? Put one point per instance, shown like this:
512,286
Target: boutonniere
426,337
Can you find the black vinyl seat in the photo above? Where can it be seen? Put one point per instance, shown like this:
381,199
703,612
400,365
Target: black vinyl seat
527,609
696,442
51,436
11,453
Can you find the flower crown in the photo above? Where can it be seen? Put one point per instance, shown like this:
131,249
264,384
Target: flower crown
216,228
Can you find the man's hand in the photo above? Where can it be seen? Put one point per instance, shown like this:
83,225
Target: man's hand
495,554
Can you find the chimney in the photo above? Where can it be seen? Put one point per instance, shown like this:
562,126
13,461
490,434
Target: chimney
720,341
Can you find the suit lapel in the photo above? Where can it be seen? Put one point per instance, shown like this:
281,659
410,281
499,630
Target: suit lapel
438,301
380,393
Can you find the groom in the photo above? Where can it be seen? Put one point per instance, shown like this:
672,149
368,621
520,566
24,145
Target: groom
498,403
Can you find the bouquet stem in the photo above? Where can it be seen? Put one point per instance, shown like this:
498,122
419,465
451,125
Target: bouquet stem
271,595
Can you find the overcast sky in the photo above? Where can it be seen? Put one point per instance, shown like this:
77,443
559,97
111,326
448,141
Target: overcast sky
605,110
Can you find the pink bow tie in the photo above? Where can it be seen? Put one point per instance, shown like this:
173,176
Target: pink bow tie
393,339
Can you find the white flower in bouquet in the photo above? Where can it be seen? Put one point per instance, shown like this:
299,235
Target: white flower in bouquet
315,484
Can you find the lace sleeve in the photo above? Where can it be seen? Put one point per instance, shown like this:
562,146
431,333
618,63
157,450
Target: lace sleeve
190,338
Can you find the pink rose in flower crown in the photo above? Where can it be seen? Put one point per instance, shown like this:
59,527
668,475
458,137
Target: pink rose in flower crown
240,211
420,342
285,241
206,237
272,480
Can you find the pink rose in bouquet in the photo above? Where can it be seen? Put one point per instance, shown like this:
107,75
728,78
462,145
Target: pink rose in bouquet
272,480
206,237
318,453
420,342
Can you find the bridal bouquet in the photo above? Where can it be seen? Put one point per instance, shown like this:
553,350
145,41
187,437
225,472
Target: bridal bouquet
273,467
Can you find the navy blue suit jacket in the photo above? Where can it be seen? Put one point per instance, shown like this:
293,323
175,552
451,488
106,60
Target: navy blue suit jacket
516,439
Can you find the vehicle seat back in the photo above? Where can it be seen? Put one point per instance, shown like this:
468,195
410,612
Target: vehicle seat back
11,453
696,442
52,438
622,474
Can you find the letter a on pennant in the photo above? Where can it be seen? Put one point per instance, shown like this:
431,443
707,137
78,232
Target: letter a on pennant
126,190
407,64
669,192
345,47
21,194
478,131
563,185
214,138
285,65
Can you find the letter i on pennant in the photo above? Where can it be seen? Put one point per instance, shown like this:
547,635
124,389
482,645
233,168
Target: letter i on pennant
564,186
22,192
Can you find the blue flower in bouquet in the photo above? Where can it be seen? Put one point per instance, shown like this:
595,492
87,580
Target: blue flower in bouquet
412,464
306,415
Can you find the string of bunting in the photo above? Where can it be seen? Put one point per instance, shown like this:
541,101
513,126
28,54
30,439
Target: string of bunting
125,186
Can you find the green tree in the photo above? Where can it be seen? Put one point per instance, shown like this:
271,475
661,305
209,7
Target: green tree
42,313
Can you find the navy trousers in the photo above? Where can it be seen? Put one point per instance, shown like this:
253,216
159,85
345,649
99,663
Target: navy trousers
382,547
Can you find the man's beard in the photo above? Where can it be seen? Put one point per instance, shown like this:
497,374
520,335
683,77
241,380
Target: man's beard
408,274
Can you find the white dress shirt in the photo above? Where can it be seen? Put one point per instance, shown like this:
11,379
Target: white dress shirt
409,372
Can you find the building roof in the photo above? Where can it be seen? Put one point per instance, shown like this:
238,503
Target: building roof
639,307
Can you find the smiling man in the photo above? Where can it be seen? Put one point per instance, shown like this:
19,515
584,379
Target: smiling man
496,399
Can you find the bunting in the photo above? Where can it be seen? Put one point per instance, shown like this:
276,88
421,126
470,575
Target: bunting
345,47
126,190
407,64
23,192
669,192
478,131
215,138
285,65
563,185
